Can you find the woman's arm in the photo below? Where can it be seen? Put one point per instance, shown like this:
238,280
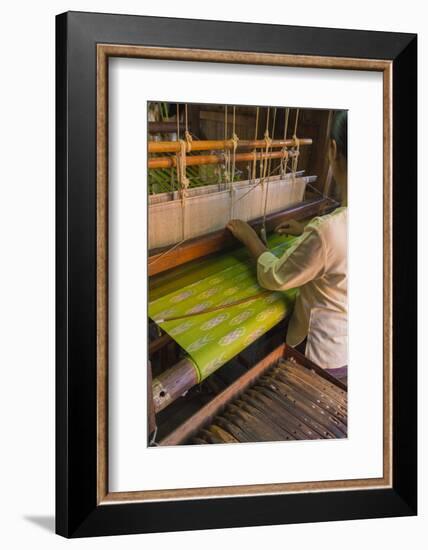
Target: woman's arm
302,262
245,233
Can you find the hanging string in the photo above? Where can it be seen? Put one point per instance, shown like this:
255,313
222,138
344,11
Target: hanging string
271,140
266,173
317,191
296,147
183,181
270,172
235,140
255,185
226,151
187,134
178,137
255,149
284,159
172,180
295,124
321,194
269,162
185,146
268,141
155,260
264,163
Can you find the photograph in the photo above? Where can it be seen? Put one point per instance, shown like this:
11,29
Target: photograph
212,275
247,273
234,346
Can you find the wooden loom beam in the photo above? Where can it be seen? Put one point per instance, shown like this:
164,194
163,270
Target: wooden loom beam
171,384
198,160
223,239
165,127
209,411
208,145
159,343
151,413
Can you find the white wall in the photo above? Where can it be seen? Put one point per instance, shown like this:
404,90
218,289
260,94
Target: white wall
27,271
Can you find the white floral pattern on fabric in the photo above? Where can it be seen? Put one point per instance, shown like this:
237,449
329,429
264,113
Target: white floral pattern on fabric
180,329
196,283
198,308
215,321
231,291
272,298
208,293
232,336
253,336
215,281
215,363
241,317
181,297
272,311
262,316
166,313
245,304
200,343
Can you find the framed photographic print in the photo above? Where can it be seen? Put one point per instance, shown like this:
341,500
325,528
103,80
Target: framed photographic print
236,274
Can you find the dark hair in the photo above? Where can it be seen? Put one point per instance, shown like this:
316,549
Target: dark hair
339,132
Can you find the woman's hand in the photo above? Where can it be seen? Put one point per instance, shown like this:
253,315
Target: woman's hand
241,230
292,227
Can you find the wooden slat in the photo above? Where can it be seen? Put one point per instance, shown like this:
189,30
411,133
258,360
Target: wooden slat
208,145
303,360
165,127
207,413
197,160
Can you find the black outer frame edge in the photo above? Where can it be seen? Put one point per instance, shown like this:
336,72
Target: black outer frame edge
405,274
77,514
236,36
61,252
223,513
76,283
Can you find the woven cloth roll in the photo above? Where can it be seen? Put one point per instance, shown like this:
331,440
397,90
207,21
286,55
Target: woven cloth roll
216,336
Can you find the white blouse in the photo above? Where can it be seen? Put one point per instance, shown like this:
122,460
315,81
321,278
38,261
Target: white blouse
317,264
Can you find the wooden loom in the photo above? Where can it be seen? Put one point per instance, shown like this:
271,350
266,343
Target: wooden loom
174,243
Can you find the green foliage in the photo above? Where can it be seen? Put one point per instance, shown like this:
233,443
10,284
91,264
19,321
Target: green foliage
164,180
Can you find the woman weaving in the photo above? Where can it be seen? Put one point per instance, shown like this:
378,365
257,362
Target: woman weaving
317,264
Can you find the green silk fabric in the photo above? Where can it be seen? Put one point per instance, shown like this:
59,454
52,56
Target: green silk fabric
213,338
